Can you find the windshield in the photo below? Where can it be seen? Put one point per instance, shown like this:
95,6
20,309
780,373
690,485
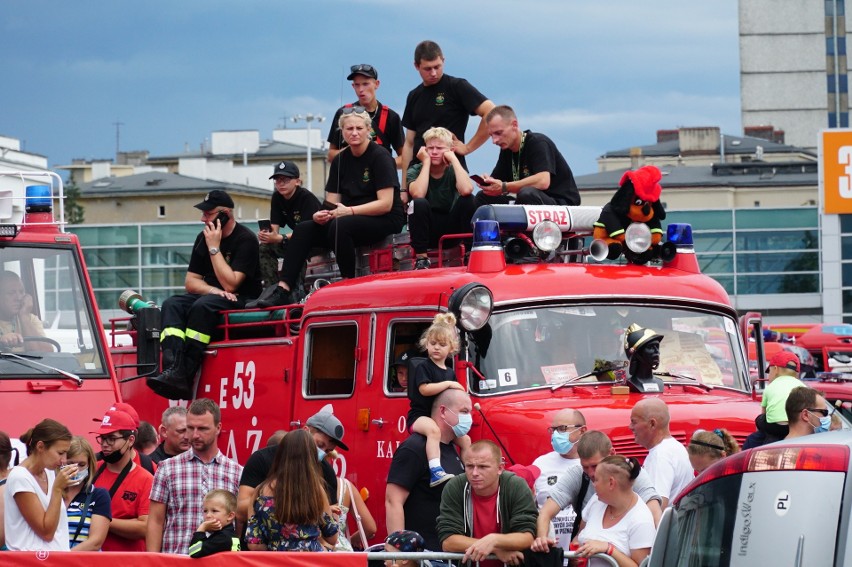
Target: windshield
547,346
45,317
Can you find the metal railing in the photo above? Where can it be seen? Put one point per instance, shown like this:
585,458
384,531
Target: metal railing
455,559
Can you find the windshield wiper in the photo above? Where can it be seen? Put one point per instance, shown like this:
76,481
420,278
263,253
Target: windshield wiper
601,367
27,360
697,381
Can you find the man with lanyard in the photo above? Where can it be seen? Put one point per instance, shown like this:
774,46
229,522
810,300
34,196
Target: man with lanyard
529,169
223,273
441,100
177,495
387,126
138,457
129,485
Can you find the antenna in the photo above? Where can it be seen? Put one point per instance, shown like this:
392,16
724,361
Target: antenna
118,126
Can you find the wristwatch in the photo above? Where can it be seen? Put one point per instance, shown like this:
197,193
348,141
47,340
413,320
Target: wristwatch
214,251
505,189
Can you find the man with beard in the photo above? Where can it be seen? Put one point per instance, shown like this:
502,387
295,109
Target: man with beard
129,484
177,496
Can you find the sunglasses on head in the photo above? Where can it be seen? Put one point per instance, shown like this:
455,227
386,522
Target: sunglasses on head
354,110
362,67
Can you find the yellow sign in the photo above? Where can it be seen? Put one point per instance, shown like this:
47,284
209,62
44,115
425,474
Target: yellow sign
836,170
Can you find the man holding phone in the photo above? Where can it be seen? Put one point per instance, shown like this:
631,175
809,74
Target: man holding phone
291,204
223,273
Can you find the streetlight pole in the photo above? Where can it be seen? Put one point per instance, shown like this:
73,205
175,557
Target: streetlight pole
308,118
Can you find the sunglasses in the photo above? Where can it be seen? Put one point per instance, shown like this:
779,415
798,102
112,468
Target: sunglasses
354,110
822,412
362,68
563,428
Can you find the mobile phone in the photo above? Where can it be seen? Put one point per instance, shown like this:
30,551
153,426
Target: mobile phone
328,205
265,225
478,179
222,217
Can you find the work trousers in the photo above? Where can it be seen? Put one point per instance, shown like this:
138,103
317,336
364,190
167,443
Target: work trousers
427,226
198,315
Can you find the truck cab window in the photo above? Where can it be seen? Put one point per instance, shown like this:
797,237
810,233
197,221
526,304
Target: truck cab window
331,360
403,338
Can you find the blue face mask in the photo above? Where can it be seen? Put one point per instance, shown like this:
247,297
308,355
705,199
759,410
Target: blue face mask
561,442
320,454
824,424
463,426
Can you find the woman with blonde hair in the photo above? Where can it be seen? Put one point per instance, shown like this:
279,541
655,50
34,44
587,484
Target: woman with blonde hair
34,513
291,512
707,447
440,341
89,507
616,521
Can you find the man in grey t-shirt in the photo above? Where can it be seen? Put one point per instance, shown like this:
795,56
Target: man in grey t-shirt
576,487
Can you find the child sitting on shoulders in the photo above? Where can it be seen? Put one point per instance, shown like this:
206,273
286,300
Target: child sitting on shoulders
216,533
431,378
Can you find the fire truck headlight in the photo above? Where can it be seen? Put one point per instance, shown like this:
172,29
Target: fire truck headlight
637,237
547,236
471,304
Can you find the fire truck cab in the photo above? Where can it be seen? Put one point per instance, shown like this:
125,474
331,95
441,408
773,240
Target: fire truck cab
541,330
53,357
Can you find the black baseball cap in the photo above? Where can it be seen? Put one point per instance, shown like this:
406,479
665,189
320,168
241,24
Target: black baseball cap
215,198
287,169
363,69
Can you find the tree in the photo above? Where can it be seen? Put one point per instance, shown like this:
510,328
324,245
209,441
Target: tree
74,212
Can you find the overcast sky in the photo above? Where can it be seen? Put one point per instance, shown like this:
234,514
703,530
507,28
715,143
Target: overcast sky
593,75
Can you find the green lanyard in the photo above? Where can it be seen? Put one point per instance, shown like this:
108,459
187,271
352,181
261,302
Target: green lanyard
516,167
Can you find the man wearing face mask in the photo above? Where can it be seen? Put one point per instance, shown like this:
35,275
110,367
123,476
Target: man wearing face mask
566,428
129,484
410,502
327,432
807,412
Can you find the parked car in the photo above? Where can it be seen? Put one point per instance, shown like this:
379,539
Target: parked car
781,504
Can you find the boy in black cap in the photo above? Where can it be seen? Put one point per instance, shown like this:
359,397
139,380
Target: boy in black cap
291,204
223,272
387,126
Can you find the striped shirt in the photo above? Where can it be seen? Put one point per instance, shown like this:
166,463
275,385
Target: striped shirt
181,483
100,505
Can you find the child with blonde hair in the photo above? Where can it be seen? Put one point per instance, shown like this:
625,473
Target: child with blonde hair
216,532
431,378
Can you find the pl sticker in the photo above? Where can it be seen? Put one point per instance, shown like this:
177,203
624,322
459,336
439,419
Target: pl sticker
507,376
782,503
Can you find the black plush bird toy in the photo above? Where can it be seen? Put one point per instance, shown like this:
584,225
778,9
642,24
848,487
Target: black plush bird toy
637,200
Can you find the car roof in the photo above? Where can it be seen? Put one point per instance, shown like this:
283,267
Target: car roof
839,437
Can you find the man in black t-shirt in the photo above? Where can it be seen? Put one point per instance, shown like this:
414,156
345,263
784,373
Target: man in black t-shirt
410,502
529,168
441,100
291,204
387,126
223,272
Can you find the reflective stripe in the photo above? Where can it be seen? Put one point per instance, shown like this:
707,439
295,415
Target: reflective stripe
198,336
235,544
172,332
195,547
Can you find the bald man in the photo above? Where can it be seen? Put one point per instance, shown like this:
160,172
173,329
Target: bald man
667,461
566,428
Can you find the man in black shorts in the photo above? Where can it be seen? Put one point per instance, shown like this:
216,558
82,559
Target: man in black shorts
387,126
529,168
223,273
291,204
441,100
410,502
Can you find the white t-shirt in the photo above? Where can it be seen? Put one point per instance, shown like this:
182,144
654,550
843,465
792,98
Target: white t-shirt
19,535
669,467
634,531
553,467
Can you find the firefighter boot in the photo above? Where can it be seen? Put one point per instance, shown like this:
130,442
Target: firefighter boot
170,346
176,383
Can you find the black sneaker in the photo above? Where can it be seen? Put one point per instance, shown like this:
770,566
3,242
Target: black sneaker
272,296
422,264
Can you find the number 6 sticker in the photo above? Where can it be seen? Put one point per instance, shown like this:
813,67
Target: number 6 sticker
507,377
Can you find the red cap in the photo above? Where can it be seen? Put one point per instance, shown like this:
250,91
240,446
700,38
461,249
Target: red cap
785,359
115,420
129,410
529,473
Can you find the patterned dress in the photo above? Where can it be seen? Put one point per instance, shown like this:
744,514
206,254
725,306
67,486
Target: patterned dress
264,528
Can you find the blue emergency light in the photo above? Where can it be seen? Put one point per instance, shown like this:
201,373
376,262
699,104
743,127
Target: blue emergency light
486,233
679,234
39,199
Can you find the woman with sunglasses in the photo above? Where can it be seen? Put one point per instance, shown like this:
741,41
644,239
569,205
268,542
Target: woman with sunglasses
34,513
363,206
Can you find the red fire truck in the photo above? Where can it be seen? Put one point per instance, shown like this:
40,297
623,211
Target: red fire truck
542,329
64,371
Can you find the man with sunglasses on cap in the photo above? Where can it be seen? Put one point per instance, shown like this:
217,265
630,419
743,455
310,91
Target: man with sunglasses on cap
327,432
223,273
387,126
291,204
129,485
